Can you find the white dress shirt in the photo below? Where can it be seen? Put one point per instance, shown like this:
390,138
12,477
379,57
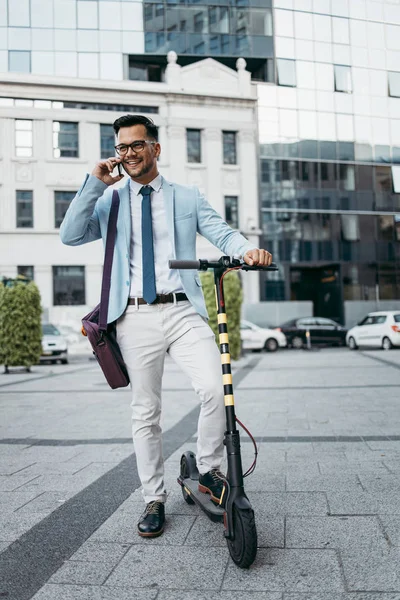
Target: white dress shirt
167,280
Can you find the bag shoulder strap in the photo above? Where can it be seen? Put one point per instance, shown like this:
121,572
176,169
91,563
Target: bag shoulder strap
108,260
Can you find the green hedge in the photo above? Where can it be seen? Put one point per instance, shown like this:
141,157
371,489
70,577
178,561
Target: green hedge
233,302
20,323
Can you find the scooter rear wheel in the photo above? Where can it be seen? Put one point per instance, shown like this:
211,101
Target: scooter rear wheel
185,474
243,548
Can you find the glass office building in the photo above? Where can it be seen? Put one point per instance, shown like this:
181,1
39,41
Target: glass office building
330,154
129,39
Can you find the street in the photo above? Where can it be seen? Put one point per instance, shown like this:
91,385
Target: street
325,491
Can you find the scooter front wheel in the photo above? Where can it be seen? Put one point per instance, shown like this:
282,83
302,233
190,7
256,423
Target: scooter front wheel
243,548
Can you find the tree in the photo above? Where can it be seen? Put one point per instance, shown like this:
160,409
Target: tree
20,323
233,303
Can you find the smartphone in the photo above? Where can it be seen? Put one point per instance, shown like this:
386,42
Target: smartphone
119,167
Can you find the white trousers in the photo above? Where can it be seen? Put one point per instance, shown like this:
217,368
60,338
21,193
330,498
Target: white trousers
145,334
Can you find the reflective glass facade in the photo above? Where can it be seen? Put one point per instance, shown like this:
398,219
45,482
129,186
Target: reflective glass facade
329,153
129,39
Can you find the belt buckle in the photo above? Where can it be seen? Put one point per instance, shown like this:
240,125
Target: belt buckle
175,300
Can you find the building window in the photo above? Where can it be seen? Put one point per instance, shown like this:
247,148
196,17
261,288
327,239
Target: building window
68,286
19,61
231,211
24,208
143,71
62,201
65,139
286,72
394,84
343,79
25,272
107,141
193,143
265,72
23,138
229,147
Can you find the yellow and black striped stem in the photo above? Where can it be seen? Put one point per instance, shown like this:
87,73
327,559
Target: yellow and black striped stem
225,357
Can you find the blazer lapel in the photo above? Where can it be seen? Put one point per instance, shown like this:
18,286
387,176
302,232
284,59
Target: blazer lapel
124,216
169,201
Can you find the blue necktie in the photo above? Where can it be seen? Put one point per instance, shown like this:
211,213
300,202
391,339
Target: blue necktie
149,276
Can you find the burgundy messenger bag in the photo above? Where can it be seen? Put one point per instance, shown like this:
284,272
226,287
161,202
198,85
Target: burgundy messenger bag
101,336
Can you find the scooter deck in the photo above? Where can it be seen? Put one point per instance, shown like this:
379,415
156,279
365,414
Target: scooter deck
214,512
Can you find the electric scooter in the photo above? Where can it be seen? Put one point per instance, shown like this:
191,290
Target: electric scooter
234,508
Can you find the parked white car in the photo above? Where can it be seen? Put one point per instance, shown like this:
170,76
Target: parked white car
54,345
258,338
377,329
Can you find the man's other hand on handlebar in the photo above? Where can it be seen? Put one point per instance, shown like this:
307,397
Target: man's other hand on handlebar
259,257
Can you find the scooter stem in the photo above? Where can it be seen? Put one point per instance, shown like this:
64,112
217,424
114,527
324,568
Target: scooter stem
231,440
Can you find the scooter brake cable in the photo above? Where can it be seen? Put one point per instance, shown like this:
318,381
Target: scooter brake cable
251,469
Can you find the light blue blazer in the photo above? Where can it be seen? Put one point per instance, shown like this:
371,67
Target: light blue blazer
187,213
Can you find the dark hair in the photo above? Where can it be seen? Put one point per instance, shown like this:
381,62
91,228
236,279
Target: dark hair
130,120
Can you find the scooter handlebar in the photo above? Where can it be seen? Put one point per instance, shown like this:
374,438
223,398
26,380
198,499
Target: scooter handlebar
203,265
184,264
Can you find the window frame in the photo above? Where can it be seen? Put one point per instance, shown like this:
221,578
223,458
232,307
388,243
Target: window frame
18,217
21,271
229,148
21,147
234,223
279,75
61,202
336,76
192,158
56,135
108,125
83,291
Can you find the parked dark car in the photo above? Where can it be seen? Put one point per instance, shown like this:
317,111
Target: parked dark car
322,331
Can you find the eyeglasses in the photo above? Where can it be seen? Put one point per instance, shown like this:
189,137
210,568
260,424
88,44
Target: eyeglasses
136,147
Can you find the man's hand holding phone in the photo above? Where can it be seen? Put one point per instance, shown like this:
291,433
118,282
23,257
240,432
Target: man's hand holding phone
103,170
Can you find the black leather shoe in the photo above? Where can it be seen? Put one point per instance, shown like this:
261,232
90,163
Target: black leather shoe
151,523
212,483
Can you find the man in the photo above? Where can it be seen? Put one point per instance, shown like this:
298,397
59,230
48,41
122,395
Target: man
158,310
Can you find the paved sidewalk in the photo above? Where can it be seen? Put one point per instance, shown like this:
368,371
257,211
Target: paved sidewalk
325,491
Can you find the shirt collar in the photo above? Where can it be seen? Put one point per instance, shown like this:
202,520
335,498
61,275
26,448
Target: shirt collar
155,184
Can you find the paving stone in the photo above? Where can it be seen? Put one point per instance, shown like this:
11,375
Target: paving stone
352,467
372,570
121,527
275,504
4,545
80,592
269,483
10,465
380,481
181,567
84,573
391,525
334,532
288,570
50,453
61,483
48,468
9,483
109,552
363,503
322,483
11,501
45,502
13,525
344,596
196,595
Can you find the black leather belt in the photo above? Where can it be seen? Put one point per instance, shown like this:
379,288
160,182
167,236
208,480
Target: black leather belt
160,299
